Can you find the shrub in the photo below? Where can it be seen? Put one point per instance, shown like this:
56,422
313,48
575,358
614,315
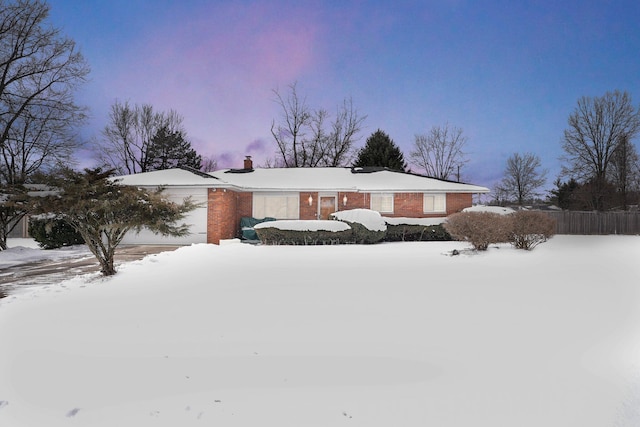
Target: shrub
367,226
529,229
479,228
277,236
53,233
416,233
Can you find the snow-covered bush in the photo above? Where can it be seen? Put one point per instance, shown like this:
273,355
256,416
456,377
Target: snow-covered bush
480,228
367,226
529,229
300,232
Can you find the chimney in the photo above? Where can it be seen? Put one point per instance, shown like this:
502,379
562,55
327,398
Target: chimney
248,163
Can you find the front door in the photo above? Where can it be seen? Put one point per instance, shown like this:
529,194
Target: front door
327,206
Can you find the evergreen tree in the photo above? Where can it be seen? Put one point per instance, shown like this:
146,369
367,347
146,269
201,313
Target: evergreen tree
380,150
169,149
103,211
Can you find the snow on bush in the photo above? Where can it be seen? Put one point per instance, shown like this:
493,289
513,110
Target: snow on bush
303,225
367,226
414,221
500,210
371,220
303,232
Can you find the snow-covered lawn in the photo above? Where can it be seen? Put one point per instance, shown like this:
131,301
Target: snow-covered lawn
396,334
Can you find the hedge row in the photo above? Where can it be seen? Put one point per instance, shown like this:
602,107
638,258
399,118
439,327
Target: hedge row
357,234
276,236
416,233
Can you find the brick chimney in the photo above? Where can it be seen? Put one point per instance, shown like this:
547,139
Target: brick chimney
248,163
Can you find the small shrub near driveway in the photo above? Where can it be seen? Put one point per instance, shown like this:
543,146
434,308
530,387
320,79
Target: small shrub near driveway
529,229
52,233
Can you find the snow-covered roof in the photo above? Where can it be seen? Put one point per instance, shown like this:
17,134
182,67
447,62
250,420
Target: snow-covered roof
302,179
339,179
169,177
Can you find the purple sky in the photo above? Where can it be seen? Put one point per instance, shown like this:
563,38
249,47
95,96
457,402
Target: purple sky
508,72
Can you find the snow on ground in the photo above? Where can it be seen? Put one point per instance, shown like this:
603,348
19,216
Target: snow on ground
22,251
393,334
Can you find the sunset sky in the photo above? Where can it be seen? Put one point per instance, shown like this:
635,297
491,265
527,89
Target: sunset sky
508,73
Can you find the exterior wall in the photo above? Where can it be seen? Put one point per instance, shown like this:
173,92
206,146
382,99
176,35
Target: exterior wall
244,207
458,201
354,201
226,207
409,205
222,213
309,212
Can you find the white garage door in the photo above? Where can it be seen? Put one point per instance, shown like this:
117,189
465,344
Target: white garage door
196,219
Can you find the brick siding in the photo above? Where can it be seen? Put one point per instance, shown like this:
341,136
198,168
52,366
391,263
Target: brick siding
226,207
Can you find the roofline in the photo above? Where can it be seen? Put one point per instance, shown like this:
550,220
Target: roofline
350,190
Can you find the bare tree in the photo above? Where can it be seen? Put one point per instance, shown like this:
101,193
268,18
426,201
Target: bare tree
128,137
340,150
596,127
440,152
39,71
37,142
624,172
307,138
522,178
289,133
209,164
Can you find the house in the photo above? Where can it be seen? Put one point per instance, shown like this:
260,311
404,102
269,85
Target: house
225,196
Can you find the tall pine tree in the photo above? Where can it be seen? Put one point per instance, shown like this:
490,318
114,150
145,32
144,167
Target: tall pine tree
169,149
380,150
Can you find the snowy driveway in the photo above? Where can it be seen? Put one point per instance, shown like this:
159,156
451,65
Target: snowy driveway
24,267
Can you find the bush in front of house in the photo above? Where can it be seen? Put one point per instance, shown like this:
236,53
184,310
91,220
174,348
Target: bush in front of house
416,233
481,229
53,233
279,233
276,236
529,229
367,226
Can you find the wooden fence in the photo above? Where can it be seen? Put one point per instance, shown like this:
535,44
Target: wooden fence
578,222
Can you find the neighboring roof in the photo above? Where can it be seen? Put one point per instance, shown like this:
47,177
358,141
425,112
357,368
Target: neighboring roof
302,179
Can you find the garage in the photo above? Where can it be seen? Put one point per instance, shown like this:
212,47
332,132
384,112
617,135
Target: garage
196,219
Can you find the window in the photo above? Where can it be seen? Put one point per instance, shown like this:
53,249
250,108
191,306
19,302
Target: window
279,206
435,203
382,202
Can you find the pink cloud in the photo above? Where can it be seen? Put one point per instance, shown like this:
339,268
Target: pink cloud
218,68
